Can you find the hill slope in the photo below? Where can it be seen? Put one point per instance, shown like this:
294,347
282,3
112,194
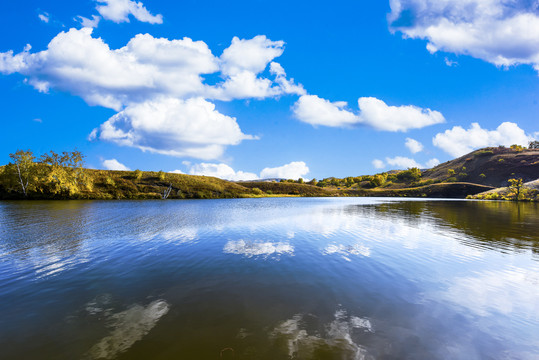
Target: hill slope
474,173
489,166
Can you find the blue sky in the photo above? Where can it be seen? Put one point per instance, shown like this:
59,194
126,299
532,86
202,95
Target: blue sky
249,89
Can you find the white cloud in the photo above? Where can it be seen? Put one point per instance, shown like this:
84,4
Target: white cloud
163,75
114,164
251,55
501,32
85,66
287,86
176,172
401,162
45,17
221,171
240,65
458,141
450,62
317,111
372,112
379,115
147,67
119,11
413,145
432,163
174,127
378,164
90,23
293,170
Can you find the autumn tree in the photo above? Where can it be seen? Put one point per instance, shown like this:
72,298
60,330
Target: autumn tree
516,186
23,161
65,171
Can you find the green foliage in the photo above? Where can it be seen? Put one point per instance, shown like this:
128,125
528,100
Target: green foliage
313,182
378,179
257,191
516,186
450,172
161,175
517,148
300,181
484,152
412,174
501,160
63,173
24,165
137,175
482,176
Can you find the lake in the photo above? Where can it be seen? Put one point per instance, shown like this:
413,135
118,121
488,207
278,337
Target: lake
276,278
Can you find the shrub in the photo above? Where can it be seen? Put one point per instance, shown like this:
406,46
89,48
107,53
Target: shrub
137,174
257,191
412,174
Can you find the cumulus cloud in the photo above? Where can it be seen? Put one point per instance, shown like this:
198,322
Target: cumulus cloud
378,164
221,171
240,66
379,115
151,80
90,23
459,141
45,17
413,145
114,164
250,55
402,162
85,66
294,170
501,32
317,111
119,11
174,127
372,112
432,163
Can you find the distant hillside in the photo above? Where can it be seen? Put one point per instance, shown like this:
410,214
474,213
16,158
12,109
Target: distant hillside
489,166
480,171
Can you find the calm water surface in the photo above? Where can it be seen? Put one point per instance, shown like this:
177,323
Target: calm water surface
269,279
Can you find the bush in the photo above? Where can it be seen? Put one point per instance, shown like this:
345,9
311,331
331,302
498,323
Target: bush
257,191
412,174
137,174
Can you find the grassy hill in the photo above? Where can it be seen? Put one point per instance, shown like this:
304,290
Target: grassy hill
479,172
489,166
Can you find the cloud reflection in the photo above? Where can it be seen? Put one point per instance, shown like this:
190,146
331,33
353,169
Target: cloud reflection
347,250
304,342
265,249
128,327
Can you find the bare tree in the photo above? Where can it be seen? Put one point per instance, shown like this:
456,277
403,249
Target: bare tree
24,163
166,192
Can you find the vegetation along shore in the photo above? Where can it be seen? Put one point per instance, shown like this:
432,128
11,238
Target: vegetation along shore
496,173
